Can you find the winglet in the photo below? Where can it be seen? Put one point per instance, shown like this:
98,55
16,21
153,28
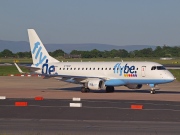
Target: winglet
20,71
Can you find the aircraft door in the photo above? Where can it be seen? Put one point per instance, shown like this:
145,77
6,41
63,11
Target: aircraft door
143,71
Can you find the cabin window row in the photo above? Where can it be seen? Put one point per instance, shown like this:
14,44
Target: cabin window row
90,68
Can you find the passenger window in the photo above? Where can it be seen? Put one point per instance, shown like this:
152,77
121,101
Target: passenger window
74,68
102,68
89,68
71,68
59,68
109,68
98,68
67,68
82,68
93,68
78,68
105,68
63,68
86,68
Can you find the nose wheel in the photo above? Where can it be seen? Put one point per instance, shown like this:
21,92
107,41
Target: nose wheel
153,88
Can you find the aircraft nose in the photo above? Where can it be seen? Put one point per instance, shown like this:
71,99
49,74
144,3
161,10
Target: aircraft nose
171,77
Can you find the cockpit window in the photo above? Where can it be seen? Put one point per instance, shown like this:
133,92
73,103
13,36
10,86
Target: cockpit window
153,68
161,68
158,68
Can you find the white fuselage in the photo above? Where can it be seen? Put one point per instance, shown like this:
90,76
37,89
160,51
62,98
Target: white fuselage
128,72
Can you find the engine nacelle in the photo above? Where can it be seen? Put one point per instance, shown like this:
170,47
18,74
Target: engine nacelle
95,84
134,86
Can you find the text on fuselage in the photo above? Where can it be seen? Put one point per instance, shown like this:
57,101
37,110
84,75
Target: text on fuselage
127,71
46,69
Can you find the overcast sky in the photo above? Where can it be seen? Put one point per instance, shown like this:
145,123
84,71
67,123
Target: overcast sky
116,22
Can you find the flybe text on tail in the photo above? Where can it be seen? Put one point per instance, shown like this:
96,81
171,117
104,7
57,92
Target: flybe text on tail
37,51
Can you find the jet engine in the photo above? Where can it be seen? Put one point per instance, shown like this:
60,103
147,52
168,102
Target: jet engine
134,86
95,84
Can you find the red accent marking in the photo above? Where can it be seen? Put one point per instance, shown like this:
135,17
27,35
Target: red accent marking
21,103
139,107
38,98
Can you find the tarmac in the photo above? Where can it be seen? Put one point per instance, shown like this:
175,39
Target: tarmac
99,113
30,87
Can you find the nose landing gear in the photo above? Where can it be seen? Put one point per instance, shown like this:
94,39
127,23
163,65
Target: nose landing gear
153,89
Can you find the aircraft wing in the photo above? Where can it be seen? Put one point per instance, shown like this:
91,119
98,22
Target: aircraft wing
66,78
72,79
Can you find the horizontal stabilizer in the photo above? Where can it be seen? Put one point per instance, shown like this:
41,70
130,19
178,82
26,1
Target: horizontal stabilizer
32,68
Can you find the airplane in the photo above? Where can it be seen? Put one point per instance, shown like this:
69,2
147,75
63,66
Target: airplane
97,75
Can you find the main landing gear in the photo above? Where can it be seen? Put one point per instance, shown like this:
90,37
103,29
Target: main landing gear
109,89
84,90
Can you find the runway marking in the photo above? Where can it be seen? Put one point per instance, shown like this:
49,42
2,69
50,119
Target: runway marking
38,98
157,104
21,103
75,104
96,108
139,107
2,97
76,99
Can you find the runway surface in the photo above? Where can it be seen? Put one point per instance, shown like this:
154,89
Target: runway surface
101,113
29,87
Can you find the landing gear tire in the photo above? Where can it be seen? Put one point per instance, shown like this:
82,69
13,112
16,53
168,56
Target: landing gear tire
87,90
152,91
109,89
84,90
